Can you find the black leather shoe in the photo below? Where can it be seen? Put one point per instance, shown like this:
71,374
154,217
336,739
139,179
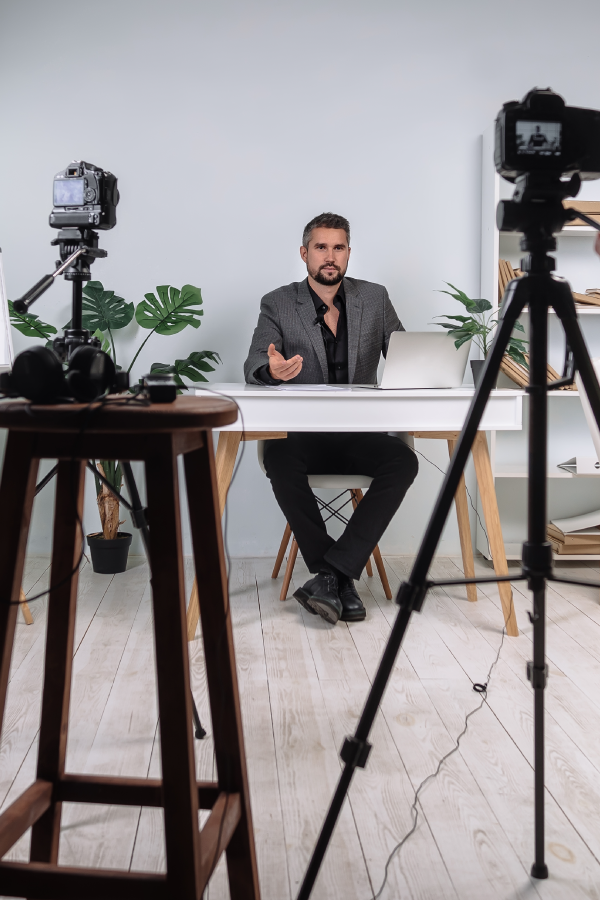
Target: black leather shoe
320,595
352,606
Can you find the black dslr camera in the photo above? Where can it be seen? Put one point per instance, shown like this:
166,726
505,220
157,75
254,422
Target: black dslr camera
540,142
85,196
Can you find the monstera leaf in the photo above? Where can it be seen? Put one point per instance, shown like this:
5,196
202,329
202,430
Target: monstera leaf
103,309
191,368
171,311
29,325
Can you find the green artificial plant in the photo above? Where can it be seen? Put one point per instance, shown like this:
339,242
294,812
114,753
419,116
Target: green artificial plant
479,326
167,312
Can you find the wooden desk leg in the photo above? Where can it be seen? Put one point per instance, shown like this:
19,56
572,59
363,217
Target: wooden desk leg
25,609
464,530
227,451
487,492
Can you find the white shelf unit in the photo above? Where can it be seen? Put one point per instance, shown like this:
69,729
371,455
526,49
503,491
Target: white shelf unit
568,434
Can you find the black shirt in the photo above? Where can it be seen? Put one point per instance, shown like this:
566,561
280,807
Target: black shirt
336,345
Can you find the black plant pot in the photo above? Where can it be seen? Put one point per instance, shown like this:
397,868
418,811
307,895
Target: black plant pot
109,557
477,368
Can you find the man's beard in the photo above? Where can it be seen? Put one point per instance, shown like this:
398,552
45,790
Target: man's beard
320,278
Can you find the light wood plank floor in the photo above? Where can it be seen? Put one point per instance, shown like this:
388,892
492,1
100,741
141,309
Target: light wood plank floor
303,684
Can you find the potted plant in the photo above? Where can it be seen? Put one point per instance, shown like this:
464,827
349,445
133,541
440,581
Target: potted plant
478,326
168,311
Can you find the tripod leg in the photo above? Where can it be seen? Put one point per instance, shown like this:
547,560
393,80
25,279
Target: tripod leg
355,750
582,357
516,299
138,510
537,557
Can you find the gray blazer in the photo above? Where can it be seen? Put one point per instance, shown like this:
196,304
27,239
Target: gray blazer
288,320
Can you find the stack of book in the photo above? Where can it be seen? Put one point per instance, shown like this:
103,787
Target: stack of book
506,273
578,535
520,375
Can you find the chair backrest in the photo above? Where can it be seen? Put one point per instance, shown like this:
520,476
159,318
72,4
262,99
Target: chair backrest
587,409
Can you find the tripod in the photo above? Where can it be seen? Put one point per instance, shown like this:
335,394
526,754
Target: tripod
540,291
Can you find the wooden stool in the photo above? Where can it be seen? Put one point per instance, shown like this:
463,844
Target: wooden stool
156,434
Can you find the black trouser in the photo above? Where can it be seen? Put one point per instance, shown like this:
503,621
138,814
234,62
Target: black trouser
387,460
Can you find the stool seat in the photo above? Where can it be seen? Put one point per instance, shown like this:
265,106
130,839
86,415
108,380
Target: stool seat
119,414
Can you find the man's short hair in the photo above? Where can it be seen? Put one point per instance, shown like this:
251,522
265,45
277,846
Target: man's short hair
326,220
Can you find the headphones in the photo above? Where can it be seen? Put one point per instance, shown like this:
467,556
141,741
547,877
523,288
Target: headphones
38,375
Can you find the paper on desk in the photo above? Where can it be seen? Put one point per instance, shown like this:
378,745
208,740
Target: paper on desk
310,387
587,523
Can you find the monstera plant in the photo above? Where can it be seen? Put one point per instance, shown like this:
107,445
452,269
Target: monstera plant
166,312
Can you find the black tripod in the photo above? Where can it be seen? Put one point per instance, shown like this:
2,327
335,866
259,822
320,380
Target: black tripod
138,517
539,215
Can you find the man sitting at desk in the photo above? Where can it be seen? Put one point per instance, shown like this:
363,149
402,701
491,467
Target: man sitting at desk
330,329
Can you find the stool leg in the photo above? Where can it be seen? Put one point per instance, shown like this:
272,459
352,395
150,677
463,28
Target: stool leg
357,496
289,570
17,491
282,548
180,795
217,634
60,633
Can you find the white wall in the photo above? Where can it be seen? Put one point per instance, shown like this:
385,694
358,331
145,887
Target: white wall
231,124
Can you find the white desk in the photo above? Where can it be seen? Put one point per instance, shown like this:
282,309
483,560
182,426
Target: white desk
361,409
267,413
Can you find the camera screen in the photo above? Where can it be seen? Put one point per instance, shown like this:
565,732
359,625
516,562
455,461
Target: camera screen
538,138
68,192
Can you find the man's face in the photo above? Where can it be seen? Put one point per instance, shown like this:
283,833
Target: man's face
327,255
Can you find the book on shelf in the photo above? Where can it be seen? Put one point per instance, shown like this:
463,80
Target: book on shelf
520,375
590,208
506,273
581,465
576,535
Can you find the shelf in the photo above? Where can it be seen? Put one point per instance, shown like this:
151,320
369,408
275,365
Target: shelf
568,231
581,311
518,471
513,554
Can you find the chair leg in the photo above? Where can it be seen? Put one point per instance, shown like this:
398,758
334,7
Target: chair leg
357,496
289,569
382,573
282,548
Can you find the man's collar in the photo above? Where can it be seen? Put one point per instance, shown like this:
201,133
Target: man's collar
320,306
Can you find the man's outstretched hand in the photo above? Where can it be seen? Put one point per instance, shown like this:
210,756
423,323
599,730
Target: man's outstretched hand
598,243
280,368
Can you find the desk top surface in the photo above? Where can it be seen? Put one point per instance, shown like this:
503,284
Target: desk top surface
265,408
350,392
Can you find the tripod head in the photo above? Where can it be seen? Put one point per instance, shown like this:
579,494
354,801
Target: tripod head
84,242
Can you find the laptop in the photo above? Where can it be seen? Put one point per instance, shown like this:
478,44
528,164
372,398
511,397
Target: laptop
423,359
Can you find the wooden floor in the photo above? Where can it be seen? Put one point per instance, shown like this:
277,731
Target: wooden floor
303,684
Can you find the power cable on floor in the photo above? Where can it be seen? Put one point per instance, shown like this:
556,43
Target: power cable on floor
480,689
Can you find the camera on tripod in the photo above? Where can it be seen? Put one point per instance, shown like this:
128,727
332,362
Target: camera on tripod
540,142
85,197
